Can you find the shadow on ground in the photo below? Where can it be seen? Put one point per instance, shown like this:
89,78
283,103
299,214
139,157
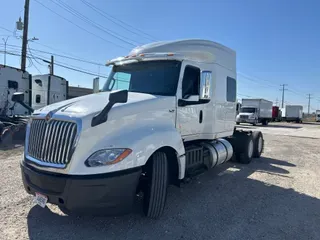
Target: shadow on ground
222,204
270,126
12,141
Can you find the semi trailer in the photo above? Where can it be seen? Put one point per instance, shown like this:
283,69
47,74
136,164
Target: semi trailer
255,111
276,114
48,89
294,113
173,118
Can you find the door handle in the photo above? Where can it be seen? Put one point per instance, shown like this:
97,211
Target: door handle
200,116
171,110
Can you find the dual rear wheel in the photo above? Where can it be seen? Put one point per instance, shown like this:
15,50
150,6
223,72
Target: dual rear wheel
156,172
247,146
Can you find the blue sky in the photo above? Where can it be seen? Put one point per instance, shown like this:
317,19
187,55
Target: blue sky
277,41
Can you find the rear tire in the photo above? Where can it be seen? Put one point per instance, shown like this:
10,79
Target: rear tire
258,144
264,122
155,193
246,150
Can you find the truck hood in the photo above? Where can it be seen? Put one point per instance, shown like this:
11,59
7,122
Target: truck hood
93,104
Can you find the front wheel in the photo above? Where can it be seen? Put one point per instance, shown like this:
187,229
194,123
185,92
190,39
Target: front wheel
155,192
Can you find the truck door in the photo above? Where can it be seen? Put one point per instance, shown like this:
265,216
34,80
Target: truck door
189,110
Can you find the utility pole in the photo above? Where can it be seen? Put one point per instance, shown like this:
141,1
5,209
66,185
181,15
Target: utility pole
5,49
283,89
25,35
309,98
51,65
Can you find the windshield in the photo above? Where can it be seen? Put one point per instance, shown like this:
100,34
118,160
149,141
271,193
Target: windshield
247,110
153,77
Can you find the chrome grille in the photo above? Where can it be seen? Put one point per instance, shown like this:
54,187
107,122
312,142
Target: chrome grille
244,116
52,141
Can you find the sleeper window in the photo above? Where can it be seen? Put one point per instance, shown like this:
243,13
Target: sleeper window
231,89
38,98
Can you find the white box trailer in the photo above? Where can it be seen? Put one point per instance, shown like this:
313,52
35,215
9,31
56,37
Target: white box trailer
317,115
14,80
294,113
255,111
48,89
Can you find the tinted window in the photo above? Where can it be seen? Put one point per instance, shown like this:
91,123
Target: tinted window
190,82
38,98
153,77
247,110
231,89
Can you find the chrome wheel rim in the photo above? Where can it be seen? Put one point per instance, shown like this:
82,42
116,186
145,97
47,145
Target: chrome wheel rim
250,149
260,144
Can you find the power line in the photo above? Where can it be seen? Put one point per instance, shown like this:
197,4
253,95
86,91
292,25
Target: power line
120,23
78,26
63,65
6,29
34,60
59,55
87,20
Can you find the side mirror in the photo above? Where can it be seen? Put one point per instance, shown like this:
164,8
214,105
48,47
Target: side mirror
18,97
205,85
120,96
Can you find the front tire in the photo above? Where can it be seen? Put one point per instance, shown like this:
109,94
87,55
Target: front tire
155,193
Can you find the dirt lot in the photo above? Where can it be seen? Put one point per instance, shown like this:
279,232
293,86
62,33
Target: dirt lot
275,197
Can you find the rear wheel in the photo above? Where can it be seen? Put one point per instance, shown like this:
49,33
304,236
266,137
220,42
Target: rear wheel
155,191
258,144
243,147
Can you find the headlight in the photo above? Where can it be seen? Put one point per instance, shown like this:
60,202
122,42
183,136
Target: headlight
107,157
251,117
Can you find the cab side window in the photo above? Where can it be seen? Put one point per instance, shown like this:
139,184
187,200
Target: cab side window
190,82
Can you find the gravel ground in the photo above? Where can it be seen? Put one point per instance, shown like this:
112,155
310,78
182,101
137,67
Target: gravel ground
275,197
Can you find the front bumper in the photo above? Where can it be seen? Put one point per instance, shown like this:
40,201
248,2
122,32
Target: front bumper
246,120
107,194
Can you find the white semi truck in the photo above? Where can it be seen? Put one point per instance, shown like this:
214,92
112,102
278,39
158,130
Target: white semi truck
48,89
13,117
294,113
173,120
255,111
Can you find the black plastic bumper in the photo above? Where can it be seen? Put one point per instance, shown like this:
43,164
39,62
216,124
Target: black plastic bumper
108,194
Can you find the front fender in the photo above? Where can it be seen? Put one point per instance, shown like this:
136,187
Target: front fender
143,138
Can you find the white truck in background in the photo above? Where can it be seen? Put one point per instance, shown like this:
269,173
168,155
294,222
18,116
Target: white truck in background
48,89
255,111
13,116
294,113
317,115
14,80
173,120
